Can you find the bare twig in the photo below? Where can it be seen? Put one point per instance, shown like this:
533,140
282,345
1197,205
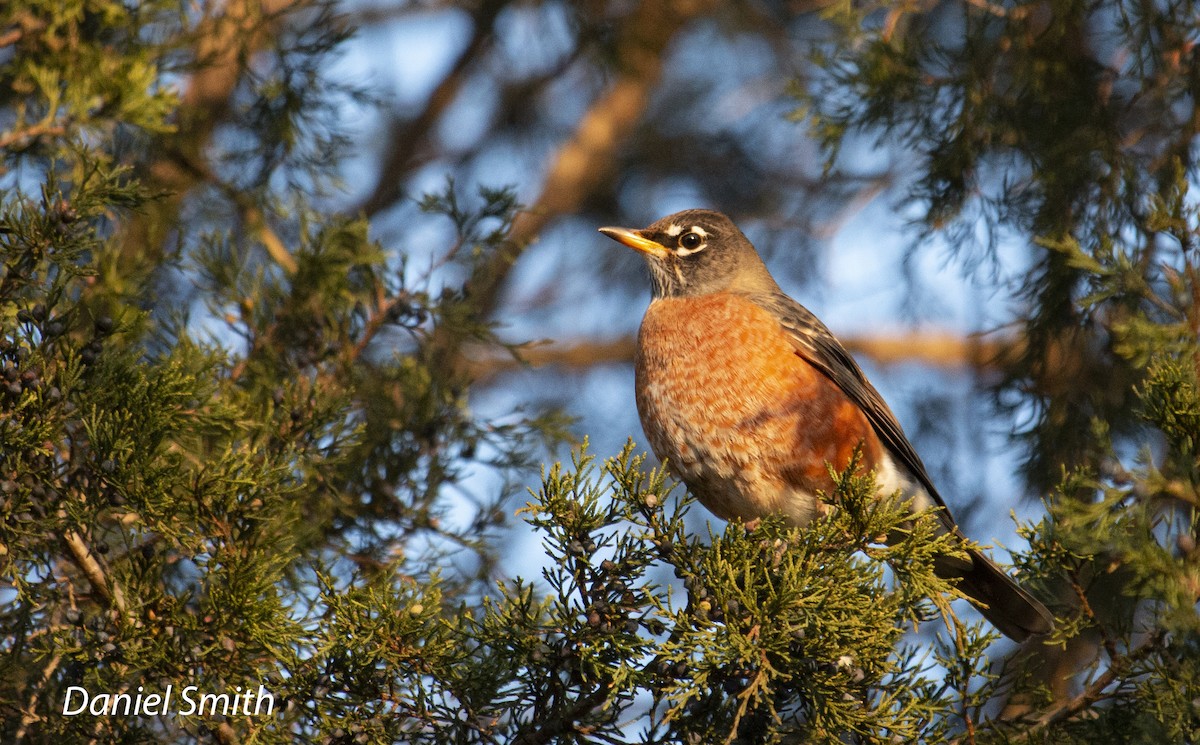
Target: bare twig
1106,639
87,563
1117,667
225,40
225,734
29,716
34,131
257,222
12,36
405,137
22,25
566,722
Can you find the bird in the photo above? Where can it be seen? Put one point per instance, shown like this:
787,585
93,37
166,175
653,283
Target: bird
749,400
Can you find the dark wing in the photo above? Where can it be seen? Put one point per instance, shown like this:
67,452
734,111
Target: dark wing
822,350
1015,612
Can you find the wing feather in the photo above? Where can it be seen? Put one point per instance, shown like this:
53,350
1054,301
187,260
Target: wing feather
1001,600
820,348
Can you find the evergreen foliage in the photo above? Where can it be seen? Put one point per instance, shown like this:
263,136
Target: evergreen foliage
1070,127
235,432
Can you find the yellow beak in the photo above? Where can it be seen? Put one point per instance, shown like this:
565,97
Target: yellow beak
635,240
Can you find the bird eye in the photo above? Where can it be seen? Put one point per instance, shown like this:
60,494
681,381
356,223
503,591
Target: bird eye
691,241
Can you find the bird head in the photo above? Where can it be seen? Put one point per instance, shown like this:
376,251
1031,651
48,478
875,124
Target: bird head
696,252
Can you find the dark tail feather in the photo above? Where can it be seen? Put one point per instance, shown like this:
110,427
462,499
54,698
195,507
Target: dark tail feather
1008,606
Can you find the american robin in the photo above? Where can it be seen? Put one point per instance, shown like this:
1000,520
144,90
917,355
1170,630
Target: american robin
748,398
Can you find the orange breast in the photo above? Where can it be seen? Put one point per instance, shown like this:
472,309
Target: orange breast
740,417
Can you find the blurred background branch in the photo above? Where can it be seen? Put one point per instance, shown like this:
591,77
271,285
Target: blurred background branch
269,269
982,355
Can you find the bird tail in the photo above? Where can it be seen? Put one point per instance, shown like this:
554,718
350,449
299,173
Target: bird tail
1007,605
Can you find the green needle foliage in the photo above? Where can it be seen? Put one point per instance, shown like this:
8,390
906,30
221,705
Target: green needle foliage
236,448
1061,136
765,635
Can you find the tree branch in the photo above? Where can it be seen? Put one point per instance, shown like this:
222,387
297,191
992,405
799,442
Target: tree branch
1117,667
30,715
584,161
934,349
404,138
82,556
34,131
224,42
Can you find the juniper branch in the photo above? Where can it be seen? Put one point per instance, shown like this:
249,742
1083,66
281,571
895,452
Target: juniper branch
83,558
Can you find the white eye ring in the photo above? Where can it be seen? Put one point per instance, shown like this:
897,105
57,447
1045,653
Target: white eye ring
691,242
